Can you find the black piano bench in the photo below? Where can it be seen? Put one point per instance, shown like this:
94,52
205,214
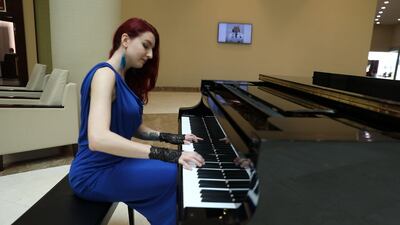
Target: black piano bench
60,206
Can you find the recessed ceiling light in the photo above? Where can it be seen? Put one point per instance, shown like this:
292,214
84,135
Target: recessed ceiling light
383,7
378,22
378,16
398,19
380,12
386,2
376,19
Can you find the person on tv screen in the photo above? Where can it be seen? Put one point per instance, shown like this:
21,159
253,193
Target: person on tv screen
235,36
109,166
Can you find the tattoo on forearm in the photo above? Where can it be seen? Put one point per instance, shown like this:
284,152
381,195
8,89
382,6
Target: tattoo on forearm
150,136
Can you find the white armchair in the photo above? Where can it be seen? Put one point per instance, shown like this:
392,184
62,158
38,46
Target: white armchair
52,93
36,124
21,94
35,82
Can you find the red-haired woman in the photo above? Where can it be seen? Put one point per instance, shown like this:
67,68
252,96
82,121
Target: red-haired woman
109,166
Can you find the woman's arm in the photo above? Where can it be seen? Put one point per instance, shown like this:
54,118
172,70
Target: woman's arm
102,139
146,133
99,135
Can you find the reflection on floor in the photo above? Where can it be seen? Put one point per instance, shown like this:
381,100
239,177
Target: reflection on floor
159,114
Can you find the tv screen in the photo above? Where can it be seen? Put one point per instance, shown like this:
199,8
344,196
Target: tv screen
234,33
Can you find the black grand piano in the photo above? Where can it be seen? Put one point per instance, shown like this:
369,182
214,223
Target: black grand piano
291,151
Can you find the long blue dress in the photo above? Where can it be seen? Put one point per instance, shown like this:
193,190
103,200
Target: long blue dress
148,186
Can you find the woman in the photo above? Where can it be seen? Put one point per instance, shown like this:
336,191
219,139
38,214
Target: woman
109,166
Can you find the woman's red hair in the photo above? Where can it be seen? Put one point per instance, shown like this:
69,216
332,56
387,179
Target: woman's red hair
142,80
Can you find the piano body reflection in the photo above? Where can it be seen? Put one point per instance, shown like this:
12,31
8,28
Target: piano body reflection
286,152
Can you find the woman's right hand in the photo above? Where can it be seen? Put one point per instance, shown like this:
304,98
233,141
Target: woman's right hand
191,159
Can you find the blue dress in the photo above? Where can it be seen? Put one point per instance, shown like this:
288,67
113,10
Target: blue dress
148,186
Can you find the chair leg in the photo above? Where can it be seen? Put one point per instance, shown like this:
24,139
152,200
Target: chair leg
1,163
131,216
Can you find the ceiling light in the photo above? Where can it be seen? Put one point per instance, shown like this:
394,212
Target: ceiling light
378,22
378,16
398,19
383,7
380,12
386,2
376,19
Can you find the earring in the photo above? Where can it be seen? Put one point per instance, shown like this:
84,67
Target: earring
123,61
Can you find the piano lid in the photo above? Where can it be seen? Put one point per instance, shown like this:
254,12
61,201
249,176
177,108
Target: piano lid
306,85
264,112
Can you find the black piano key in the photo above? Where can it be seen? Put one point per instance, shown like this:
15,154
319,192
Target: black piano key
219,152
207,150
203,148
219,174
214,194
230,166
211,166
215,166
223,193
241,171
204,143
224,160
212,161
212,184
209,157
236,174
216,199
211,176
226,157
222,199
238,184
218,165
222,145
223,184
240,194
203,153
205,171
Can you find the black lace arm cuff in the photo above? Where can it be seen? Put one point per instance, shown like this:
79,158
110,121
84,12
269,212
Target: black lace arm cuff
164,154
172,138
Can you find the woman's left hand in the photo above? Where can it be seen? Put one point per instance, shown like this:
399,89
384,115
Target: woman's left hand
190,138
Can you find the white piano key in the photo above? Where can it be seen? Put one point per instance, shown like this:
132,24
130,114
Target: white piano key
188,147
185,125
190,181
185,128
192,196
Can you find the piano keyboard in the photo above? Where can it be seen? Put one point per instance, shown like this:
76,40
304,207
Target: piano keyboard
219,183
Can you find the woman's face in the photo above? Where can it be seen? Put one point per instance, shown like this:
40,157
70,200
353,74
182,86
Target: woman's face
139,50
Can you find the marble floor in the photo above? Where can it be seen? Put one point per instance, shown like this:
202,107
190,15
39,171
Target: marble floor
160,114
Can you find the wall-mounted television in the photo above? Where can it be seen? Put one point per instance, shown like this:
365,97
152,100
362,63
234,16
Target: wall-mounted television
234,33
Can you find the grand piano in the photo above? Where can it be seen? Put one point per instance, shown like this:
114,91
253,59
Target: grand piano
291,151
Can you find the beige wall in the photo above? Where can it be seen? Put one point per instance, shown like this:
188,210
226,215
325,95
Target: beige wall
81,33
30,33
293,37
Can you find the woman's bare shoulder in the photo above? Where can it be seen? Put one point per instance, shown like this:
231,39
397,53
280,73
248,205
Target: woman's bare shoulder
104,76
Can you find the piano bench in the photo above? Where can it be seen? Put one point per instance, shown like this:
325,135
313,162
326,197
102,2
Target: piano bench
60,206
